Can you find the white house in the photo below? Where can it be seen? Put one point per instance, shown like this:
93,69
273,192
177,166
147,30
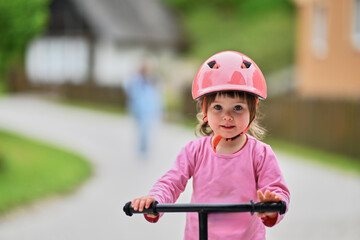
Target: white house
100,41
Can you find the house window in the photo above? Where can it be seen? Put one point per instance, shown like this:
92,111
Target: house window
319,39
356,24
58,60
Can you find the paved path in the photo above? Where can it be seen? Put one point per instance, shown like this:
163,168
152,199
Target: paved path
320,206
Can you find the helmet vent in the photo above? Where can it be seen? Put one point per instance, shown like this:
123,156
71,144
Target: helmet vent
213,65
245,64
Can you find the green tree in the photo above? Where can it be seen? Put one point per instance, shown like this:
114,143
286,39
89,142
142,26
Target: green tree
261,29
20,21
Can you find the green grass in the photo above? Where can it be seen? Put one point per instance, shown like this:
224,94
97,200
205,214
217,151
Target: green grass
30,170
333,160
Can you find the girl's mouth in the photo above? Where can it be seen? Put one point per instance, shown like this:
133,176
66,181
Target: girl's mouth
227,127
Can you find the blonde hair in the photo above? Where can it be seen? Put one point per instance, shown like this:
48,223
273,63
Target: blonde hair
204,129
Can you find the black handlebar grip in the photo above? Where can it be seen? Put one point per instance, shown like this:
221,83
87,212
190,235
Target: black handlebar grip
262,207
279,207
129,210
282,207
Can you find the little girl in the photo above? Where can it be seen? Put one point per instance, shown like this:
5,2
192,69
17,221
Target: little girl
227,165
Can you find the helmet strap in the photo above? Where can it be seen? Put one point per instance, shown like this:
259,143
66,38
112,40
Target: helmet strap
233,138
218,138
216,141
205,118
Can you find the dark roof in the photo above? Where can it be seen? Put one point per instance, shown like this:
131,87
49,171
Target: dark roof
130,20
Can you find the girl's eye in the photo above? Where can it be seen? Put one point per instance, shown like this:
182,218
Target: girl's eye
217,107
237,108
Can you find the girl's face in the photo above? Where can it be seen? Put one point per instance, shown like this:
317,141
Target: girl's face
228,116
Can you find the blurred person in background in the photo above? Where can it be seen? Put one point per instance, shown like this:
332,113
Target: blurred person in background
144,103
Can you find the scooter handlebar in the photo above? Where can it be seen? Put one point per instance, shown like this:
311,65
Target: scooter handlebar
156,208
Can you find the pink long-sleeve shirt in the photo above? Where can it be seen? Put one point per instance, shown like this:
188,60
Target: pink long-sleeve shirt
219,178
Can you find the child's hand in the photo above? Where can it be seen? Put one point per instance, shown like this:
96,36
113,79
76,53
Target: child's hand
143,202
268,197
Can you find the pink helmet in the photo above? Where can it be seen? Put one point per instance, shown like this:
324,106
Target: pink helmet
229,71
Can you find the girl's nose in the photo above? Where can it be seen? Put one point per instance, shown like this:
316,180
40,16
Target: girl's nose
227,117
